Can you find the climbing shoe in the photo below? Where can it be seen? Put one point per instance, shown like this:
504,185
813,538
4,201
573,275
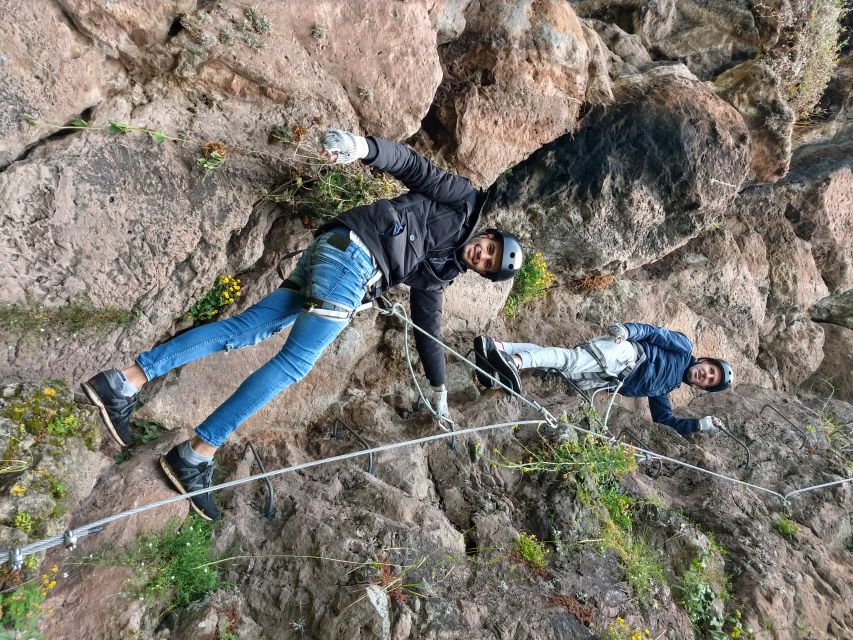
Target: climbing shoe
187,477
506,369
482,346
103,390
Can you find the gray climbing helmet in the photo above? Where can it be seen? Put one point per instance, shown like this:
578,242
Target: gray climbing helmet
511,257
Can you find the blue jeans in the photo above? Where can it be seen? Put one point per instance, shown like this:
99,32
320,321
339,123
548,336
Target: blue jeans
324,272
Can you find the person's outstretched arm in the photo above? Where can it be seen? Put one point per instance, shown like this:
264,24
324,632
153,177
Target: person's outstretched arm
404,163
662,412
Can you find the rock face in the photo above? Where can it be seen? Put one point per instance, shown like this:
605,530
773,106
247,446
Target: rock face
40,85
570,198
835,374
516,78
679,197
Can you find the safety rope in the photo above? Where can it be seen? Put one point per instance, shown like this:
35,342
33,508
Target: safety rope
641,453
71,536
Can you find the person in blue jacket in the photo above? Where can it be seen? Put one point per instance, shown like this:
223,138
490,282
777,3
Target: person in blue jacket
423,238
640,359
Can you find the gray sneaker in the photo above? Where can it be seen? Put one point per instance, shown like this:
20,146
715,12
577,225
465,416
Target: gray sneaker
187,477
114,407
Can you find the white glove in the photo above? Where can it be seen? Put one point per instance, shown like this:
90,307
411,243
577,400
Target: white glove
347,146
617,331
710,425
439,402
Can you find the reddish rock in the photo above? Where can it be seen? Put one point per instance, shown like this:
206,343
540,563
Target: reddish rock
514,79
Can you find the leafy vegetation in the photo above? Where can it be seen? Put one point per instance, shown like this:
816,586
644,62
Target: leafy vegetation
620,630
21,608
532,282
529,549
173,566
786,527
321,191
78,316
821,47
49,415
224,291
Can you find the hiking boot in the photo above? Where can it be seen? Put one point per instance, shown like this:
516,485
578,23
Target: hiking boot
114,407
482,346
504,365
187,477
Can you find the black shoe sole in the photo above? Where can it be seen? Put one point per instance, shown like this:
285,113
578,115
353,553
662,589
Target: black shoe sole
507,373
481,359
180,487
105,416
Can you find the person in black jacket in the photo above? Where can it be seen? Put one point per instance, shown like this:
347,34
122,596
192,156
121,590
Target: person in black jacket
424,238
638,359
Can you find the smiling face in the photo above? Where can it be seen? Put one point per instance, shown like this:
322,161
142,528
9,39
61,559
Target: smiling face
482,254
704,374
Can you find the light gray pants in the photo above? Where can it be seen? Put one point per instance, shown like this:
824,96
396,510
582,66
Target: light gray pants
576,362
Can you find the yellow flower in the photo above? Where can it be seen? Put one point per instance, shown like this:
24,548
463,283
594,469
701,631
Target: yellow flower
49,392
18,490
214,312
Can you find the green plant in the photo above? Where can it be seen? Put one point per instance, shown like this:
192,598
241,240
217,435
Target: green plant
58,489
170,562
318,31
48,413
529,549
23,521
697,595
224,291
532,281
21,608
821,45
321,191
77,316
587,456
213,155
113,126
849,544
145,431
620,630
786,527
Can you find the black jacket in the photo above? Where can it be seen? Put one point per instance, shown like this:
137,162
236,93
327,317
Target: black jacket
415,237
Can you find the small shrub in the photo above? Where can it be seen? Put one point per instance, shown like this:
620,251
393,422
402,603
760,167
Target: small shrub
78,316
213,155
529,549
23,521
365,93
318,31
821,46
532,281
786,527
224,291
590,284
620,630
21,608
171,563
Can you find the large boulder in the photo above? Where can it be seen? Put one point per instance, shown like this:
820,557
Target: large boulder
513,80
835,309
635,182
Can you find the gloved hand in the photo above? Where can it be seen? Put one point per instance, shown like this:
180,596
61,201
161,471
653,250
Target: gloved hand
617,331
344,146
439,401
710,425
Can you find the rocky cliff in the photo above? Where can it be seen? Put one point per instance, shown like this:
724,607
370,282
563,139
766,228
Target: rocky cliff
688,164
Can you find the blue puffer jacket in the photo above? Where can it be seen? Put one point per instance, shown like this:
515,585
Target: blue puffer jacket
668,356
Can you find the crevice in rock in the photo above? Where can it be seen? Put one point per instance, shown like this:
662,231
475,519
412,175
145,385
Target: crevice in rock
56,135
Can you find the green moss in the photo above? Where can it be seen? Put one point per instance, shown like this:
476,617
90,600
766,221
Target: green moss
529,549
786,527
78,316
